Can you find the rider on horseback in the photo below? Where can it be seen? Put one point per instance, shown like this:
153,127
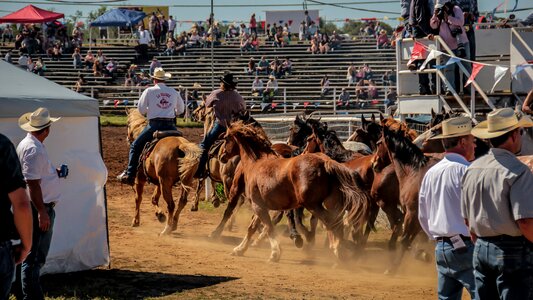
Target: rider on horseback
161,104
227,103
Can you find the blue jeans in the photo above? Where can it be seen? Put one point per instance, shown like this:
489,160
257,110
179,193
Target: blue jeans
454,270
31,267
450,71
146,136
208,141
7,268
503,268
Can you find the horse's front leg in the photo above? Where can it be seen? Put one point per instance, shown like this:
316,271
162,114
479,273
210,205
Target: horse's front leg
159,214
139,188
264,216
166,188
181,204
237,188
194,206
243,246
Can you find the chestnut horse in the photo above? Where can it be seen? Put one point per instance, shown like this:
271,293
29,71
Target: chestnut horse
410,166
313,181
172,160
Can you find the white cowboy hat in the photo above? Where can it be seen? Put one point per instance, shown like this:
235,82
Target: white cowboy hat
499,122
160,74
441,3
272,77
37,120
455,127
196,85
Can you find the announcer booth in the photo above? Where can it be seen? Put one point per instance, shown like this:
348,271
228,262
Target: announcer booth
80,240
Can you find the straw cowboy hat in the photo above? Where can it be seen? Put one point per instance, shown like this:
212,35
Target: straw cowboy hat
37,120
382,31
455,127
441,3
160,74
499,122
272,77
196,85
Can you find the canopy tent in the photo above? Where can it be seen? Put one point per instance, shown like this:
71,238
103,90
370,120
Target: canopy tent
31,14
118,17
80,239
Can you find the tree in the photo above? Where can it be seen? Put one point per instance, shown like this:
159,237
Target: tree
96,13
329,27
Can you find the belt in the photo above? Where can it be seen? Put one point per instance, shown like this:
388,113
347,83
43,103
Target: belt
163,119
51,204
502,238
447,238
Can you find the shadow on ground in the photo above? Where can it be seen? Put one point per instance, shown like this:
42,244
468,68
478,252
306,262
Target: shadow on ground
123,284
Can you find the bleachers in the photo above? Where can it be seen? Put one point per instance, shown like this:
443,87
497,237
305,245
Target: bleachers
302,86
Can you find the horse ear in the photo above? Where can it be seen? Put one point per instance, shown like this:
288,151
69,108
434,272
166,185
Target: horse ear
363,121
373,118
381,117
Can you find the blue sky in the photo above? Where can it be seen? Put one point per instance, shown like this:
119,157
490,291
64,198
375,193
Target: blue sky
243,13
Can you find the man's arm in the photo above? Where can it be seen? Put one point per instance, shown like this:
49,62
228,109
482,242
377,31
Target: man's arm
423,215
142,106
23,221
459,19
180,105
526,107
36,196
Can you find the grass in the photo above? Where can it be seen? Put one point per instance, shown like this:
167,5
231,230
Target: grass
117,120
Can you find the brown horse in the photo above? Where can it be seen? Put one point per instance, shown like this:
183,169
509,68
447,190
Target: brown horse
172,160
313,181
410,166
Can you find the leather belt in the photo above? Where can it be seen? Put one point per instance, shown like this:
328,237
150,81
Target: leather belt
502,238
447,239
162,119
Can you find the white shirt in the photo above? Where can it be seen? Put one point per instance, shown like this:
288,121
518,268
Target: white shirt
144,37
171,24
272,85
439,199
36,165
160,101
257,85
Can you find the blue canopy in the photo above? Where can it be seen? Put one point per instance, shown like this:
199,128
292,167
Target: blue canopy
119,17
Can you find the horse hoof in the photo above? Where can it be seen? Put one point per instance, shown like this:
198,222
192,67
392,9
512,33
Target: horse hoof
216,203
274,258
135,223
214,235
161,217
298,241
390,272
194,208
236,253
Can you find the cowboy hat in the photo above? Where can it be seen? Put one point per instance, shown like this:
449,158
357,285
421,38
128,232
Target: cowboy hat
160,74
455,127
272,77
227,78
499,122
382,31
37,120
196,85
441,3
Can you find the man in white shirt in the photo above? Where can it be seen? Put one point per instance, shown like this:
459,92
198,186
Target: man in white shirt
439,208
161,105
145,37
43,188
171,26
257,87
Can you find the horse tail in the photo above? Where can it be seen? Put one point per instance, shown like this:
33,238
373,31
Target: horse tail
356,201
188,164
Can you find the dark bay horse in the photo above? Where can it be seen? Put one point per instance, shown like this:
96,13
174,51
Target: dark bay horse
410,166
313,181
172,160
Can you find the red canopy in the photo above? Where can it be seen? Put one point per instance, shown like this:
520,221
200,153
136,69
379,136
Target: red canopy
31,14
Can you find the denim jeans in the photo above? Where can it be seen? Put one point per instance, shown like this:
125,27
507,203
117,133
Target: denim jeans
503,268
146,136
31,267
450,71
454,270
208,141
7,268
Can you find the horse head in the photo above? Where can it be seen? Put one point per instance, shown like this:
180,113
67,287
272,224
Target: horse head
247,137
299,132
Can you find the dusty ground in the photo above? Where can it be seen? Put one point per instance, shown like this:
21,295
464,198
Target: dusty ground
188,265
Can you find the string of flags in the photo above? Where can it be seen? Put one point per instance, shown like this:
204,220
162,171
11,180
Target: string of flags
420,51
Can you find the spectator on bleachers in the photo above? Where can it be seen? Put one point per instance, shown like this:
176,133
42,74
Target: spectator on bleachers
361,93
245,43
142,44
312,30
275,67
388,79
368,73
77,36
372,89
390,102
369,29
102,59
131,76
170,47
39,67
287,33
272,32
88,60
23,61
257,87
7,34
154,64
335,40
76,59
254,43
314,46
195,40
171,27
279,40
30,65
263,66
344,97
213,35
57,52
157,31
351,74
80,83
9,56
383,40
97,69
152,23
323,46
271,89
301,31
232,32
144,79
308,22
243,30
324,86
250,69
164,28
18,41
111,69
286,67
253,25
181,45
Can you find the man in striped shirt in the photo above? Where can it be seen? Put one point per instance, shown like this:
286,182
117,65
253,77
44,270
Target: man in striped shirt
226,103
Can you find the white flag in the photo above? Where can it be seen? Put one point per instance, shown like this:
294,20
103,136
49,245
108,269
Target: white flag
499,73
431,56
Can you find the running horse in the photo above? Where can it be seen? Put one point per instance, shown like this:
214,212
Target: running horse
313,181
172,160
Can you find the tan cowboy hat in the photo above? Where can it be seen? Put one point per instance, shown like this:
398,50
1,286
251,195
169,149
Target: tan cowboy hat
272,77
196,85
37,120
160,74
455,127
499,122
382,31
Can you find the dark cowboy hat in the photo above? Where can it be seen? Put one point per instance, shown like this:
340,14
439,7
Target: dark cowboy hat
228,79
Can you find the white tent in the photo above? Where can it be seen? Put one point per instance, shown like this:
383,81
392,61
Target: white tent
80,239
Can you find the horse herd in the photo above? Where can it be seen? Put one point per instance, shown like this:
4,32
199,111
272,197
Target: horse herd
344,189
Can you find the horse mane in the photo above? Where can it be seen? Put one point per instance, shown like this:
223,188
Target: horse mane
404,150
396,126
136,123
252,139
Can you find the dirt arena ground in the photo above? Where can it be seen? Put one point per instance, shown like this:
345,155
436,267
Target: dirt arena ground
188,265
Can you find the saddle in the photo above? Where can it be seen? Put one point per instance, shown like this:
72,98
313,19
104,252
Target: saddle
157,136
